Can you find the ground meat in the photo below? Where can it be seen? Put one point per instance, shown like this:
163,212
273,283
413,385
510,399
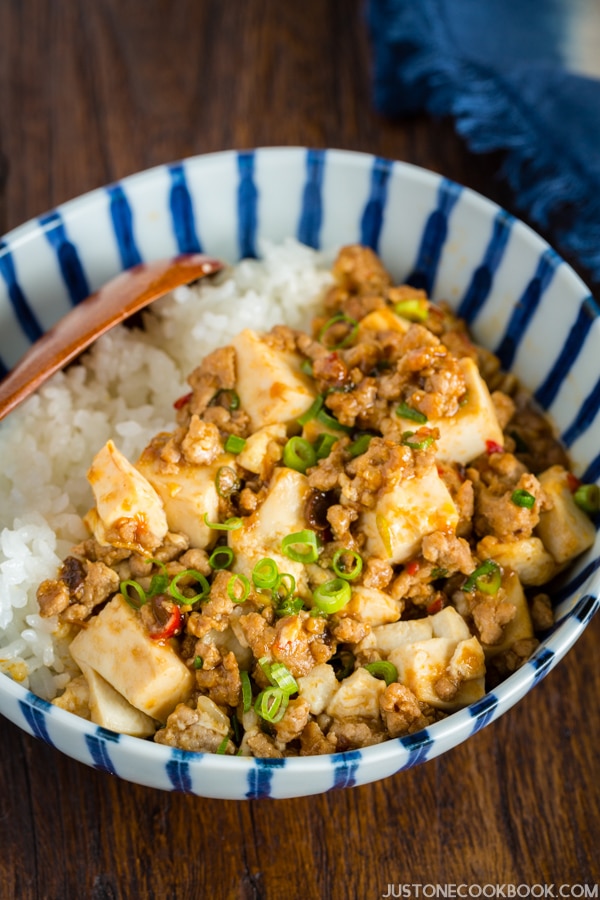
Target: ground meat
505,408
341,518
314,743
347,630
501,517
542,613
216,372
384,462
414,584
262,745
222,684
358,269
294,720
352,734
326,474
504,664
202,443
299,643
448,552
258,633
357,404
537,445
330,371
186,729
53,597
490,615
216,611
196,559
377,573
400,710
81,586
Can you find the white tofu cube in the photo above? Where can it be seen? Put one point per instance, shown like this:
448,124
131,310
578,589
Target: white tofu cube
527,557
318,687
257,445
467,661
388,637
372,606
383,319
150,675
270,383
357,696
449,623
518,628
565,530
404,513
110,709
129,513
420,666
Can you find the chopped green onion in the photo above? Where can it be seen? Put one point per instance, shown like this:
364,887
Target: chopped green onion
283,678
181,598
332,596
338,318
198,662
231,524
227,481
223,745
233,396
416,310
271,704
246,690
288,589
325,419
323,445
523,498
344,572
306,538
299,455
289,607
420,444
160,580
306,367
142,597
486,578
234,443
587,497
439,573
381,668
265,573
407,412
221,558
361,444
312,411
342,663
232,588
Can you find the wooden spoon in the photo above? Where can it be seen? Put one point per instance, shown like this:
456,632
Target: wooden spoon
118,299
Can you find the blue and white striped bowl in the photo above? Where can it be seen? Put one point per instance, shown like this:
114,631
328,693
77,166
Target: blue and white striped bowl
520,298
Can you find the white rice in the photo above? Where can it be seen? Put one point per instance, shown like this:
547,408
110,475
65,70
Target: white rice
123,389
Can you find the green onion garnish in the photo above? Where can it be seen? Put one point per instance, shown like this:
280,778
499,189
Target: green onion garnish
307,539
361,444
383,669
339,317
289,607
181,598
233,585
587,497
227,481
160,580
233,397
198,662
306,367
407,412
231,524
299,455
312,411
416,310
420,444
246,690
234,443
265,574
332,596
282,678
285,590
343,571
271,704
142,597
221,558
486,578
523,498
323,445
325,419
223,745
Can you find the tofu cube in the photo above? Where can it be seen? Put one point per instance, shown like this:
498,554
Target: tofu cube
388,637
463,436
384,319
565,530
129,513
449,623
518,628
318,688
270,383
150,675
187,491
420,666
110,709
372,606
357,696
527,557
404,513
258,445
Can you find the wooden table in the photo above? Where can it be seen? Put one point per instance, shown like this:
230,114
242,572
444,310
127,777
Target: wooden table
91,92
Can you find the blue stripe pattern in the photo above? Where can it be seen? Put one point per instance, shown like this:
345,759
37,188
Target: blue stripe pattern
311,214
592,473
584,418
483,711
122,221
25,315
525,307
182,212
178,770
345,769
260,777
586,608
98,747
541,662
434,237
550,387
418,745
483,276
372,217
69,263
247,200
35,710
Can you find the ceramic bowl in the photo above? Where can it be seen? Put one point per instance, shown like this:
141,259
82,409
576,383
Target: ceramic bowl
519,297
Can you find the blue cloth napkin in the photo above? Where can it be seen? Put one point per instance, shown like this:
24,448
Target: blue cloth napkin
521,76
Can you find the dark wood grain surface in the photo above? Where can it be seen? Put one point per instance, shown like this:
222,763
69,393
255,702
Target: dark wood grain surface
93,90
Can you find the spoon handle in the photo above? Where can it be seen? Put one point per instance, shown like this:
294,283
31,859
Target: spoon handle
118,299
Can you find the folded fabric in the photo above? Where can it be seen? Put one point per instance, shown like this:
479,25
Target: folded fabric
517,75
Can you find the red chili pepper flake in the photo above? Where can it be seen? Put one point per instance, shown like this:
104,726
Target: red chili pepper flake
181,401
435,606
413,567
493,447
573,482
